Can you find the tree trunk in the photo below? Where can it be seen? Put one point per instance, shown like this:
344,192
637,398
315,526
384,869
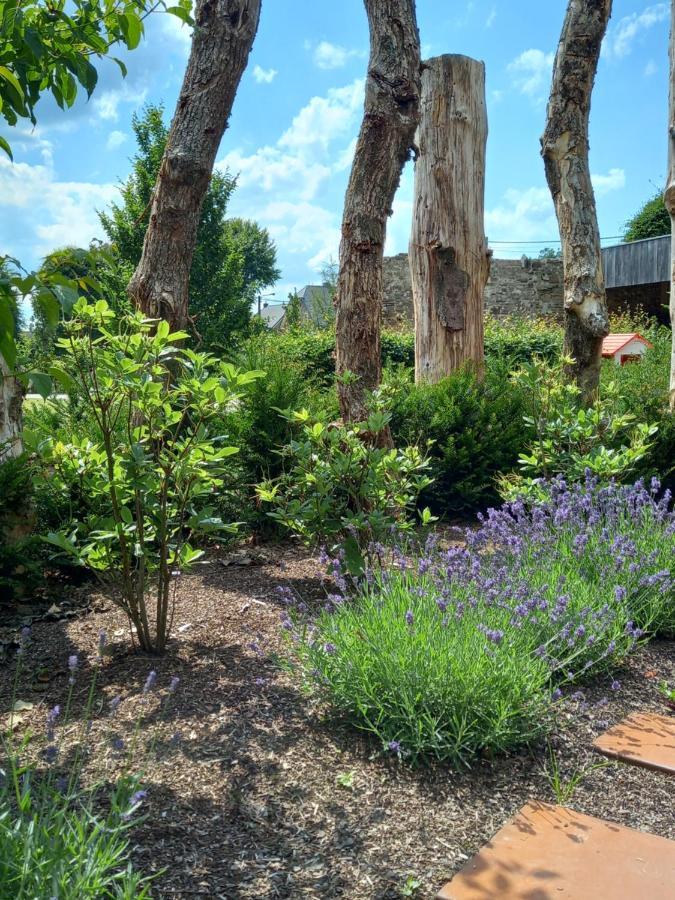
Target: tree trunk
564,147
11,402
669,198
449,262
391,114
222,39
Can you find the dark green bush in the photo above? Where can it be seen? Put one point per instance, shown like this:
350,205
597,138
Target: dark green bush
20,563
476,429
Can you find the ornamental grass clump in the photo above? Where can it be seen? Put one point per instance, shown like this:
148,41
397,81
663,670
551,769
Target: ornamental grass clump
459,652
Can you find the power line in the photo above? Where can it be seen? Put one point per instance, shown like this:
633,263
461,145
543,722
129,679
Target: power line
611,237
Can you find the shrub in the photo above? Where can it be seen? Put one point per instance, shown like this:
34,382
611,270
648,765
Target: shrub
569,438
520,340
155,478
340,488
461,652
20,557
643,392
474,428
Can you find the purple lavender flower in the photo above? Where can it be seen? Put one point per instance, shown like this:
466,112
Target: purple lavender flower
150,681
330,649
117,743
615,685
52,716
50,753
173,684
73,663
114,704
24,640
394,746
409,618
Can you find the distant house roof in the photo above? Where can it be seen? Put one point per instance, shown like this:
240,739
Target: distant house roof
317,303
273,314
615,342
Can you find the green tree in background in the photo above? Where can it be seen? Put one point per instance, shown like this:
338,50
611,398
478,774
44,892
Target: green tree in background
652,220
233,260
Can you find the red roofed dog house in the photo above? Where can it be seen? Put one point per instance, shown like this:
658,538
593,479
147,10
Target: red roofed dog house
623,348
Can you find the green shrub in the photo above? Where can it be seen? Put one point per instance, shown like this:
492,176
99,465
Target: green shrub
155,477
341,489
643,392
474,428
20,557
570,439
519,340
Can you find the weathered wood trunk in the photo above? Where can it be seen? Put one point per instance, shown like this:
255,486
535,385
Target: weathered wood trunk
564,147
11,402
449,261
222,39
391,114
669,198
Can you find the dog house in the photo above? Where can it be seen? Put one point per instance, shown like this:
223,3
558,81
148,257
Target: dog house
623,348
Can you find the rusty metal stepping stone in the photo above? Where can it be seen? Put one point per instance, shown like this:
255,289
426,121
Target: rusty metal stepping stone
552,853
643,739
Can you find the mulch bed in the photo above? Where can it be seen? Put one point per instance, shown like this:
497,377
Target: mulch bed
266,797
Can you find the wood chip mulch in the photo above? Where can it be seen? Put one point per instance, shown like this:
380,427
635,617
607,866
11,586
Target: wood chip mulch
265,797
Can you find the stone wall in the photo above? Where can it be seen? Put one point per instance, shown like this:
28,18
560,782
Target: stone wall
524,288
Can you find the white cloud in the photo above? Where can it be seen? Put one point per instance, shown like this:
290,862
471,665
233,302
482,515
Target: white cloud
332,56
620,38
264,76
115,139
65,210
106,104
270,169
531,72
614,180
523,215
325,118
492,15
650,69
302,228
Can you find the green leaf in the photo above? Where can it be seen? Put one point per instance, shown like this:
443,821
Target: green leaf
132,29
4,145
11,78
63,378
42,383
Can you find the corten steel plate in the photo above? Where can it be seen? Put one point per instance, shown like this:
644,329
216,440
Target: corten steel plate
643,739
552,853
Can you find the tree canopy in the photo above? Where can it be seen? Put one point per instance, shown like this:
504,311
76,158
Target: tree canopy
47,47
234,258
651,220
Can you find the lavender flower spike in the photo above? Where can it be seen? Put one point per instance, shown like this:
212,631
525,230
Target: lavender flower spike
150,682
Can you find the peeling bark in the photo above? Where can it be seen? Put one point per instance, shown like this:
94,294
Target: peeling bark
564,147
11,420
391,114
669,199
449,261
221,43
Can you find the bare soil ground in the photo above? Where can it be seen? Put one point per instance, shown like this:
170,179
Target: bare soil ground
266,797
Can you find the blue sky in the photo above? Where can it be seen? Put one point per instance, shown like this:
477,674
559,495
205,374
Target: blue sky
298,110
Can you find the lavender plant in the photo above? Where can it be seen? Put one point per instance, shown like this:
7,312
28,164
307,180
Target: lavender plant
60,835
457,652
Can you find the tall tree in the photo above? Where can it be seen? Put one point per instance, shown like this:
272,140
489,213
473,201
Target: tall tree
651,220
221,43
47,46
669,198
564,147
233,258
449,261
387,133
